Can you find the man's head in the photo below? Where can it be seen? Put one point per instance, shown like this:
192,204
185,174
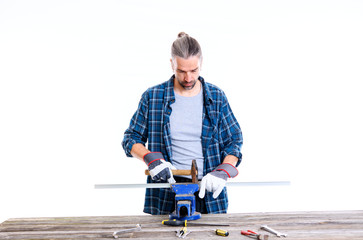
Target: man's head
186,60
185,46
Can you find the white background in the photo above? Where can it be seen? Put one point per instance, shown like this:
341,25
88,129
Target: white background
72,73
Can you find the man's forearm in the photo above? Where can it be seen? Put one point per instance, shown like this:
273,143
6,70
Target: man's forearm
138,151
231,160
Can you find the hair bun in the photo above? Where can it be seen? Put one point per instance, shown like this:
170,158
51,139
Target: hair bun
182,34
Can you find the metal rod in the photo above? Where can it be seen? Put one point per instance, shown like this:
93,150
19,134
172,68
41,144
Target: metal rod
252,184
167,185
146,185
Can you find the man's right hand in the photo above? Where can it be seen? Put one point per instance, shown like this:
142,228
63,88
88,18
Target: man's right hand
159,169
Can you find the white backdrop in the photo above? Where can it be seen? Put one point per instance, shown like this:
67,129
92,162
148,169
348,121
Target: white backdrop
72,73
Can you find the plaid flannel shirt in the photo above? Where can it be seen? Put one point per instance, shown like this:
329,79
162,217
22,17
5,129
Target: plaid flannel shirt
221,136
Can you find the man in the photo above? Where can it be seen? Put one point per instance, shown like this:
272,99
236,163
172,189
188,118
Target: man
183,119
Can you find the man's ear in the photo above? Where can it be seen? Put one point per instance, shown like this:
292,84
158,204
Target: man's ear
172,64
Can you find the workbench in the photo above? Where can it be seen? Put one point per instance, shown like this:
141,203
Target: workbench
298,225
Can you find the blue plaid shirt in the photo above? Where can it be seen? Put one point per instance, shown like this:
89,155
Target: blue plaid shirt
221,136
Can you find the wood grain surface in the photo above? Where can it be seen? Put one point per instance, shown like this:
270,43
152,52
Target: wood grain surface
298,226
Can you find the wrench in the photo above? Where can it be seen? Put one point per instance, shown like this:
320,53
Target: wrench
138,228
268,229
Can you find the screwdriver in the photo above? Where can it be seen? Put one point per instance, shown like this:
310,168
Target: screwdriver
176,222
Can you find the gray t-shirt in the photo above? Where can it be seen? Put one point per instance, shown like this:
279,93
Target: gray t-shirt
186,132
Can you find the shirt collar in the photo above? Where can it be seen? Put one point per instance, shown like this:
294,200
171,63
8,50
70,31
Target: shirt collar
206,91
170,96
169,93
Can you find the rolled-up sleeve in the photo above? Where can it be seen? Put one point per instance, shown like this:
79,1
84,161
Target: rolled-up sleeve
137,131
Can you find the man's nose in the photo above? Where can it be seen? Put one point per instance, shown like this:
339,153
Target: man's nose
188,76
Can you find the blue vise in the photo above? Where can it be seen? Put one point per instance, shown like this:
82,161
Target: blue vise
185,201
185,198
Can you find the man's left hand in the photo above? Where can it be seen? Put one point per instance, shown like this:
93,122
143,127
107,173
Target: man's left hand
216,180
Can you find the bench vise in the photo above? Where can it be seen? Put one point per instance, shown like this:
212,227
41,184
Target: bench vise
185,198
185,201
184,194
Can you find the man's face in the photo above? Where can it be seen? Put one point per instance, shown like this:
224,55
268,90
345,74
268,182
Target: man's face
186,71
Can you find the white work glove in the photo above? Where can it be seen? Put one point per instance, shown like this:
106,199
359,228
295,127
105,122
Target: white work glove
159,169
216,180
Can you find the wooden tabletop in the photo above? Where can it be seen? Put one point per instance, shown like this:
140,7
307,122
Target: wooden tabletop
298,225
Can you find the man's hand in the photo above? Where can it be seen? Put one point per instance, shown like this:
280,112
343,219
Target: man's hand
216,180
159,169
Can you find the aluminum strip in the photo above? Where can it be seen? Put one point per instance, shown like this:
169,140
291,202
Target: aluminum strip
252,184
167,185
141,185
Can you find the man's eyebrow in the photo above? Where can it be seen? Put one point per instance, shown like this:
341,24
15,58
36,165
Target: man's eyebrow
180,70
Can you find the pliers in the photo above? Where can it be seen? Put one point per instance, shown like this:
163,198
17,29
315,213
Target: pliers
252,234
183,232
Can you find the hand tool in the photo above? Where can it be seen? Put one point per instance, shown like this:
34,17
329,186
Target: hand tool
268,229
138,228
175,222
252,234
182,233
192,172
221,232
184,197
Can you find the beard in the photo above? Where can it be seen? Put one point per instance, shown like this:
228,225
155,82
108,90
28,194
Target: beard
187,85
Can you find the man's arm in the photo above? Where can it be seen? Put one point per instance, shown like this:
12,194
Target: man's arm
139,151
231,135
231,160
215,181
137,132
